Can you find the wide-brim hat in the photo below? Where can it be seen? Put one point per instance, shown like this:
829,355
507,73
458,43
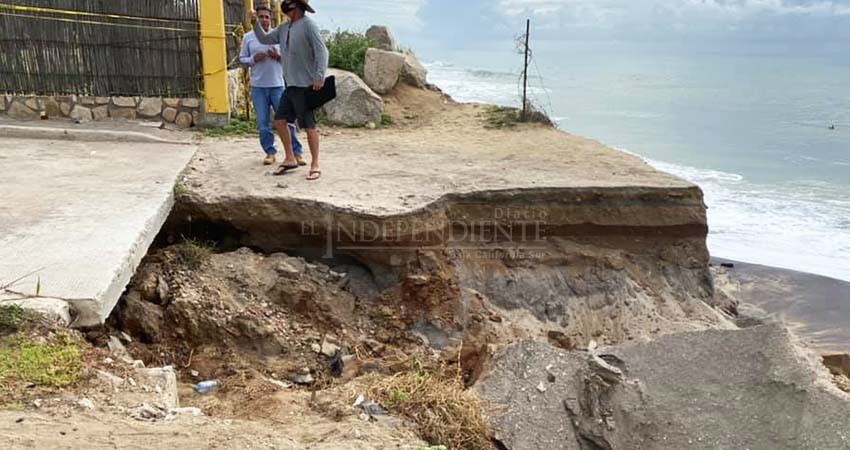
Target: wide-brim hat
304,3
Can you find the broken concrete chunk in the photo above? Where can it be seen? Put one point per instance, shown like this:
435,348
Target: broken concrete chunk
118,350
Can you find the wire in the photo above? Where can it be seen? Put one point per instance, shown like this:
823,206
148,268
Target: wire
89,14
91,22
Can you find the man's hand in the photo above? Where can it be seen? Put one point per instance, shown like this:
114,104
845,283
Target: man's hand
273,54
259,57
317,85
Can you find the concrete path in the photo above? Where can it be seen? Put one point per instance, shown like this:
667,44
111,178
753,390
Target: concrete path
79,213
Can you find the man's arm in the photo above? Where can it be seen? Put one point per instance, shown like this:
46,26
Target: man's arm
245,57
270,38
320,52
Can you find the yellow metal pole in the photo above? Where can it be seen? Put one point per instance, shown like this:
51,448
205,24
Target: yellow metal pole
214,58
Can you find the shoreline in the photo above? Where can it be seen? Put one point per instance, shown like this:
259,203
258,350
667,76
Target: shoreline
735,212
816,308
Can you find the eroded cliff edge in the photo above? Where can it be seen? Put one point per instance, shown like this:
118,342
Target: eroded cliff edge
577,240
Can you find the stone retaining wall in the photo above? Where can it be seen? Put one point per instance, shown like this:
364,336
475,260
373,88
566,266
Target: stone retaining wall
184,113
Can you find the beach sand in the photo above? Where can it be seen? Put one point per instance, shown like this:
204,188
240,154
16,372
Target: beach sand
814,307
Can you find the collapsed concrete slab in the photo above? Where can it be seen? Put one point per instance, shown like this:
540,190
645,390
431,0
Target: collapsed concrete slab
712,389
77,217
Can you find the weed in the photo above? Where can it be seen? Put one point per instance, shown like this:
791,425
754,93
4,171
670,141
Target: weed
11,317
54,364
347,51
180,189
236,127
386,119
498,117
435,399
193,252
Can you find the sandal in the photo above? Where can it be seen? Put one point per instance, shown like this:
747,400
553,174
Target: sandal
282,169
317,173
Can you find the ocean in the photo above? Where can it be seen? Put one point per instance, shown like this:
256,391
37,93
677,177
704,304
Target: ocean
751,126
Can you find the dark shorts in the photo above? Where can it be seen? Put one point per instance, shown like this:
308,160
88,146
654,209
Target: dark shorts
293,105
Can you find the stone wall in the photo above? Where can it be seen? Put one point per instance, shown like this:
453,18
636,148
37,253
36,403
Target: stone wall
184,113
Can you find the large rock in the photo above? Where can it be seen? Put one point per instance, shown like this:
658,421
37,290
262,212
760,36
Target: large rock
382,69
413,73
705,390
355,104
382,36
18,110
150,107
140,318
81,113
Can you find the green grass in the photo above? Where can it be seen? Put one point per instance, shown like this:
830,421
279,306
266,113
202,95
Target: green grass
236,127
54,364
386,119
193,252
11,317
180,189
347,51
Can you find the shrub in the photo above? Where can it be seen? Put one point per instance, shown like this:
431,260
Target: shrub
347,51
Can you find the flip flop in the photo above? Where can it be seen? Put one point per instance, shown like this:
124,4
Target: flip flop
282,169
310,176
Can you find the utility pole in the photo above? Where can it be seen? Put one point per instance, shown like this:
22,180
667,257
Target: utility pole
525,72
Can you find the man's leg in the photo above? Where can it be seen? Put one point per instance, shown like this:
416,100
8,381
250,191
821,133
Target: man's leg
262,104
293,133
308,122
284,113
283,131
296,144
313,142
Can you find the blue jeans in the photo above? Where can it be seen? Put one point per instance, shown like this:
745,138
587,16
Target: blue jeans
266,99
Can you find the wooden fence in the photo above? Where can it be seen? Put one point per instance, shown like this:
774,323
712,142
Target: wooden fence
106,47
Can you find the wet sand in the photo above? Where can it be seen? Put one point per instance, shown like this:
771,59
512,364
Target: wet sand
815,307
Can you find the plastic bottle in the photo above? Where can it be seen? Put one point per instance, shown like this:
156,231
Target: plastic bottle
206,386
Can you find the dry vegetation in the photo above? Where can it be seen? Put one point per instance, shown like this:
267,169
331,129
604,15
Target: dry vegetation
436,400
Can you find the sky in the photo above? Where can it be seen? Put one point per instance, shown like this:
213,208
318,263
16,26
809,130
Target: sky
477,24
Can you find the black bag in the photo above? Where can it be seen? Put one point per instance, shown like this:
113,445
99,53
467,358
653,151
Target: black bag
316,99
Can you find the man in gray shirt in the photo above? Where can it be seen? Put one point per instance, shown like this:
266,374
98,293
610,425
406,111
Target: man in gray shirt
266,86
305,61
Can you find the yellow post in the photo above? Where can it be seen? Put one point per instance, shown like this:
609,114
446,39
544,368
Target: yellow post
214,59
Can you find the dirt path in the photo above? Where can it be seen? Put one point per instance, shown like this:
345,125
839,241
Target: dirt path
100,430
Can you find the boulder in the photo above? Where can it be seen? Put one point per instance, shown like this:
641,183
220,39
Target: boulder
169,114
51,107
382,36
183,120
413,73
18,110
190,102
100,112
81,113
124,102
711,389
140,318
382,69
32,103
122,113
150,107
65,107
355,104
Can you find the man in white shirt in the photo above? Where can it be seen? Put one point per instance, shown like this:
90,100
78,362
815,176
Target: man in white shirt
266,86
